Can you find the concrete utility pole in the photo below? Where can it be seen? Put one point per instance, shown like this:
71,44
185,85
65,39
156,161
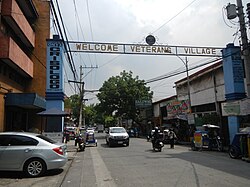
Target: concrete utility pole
81,96
188,82
245,48
82,100
188,86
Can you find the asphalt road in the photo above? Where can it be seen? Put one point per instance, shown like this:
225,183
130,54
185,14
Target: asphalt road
137,165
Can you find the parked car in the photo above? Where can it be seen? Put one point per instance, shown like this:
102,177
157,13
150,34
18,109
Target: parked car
72,132
100,128
31,153
117,136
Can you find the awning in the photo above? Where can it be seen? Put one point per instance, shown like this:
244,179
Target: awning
53,112
25,100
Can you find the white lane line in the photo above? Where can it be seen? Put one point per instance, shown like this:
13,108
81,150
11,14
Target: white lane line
103,177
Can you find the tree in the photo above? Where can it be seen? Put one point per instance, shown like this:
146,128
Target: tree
73,103
90,114
118,94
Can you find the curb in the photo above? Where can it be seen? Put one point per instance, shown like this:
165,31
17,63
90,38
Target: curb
72,151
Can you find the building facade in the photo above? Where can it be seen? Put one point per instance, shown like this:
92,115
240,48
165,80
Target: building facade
24,28
207,91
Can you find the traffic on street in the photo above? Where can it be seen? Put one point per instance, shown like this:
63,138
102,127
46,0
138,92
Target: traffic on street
139,165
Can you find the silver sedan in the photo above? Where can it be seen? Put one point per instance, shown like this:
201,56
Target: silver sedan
32,153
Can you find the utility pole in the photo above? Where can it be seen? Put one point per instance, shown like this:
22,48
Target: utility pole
245,48
81,97
188,85
82,100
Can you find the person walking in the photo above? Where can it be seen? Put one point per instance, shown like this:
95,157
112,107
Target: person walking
172,138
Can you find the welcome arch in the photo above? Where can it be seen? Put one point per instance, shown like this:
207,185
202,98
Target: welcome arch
143,49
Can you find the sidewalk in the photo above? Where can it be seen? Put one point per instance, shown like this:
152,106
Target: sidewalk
71,151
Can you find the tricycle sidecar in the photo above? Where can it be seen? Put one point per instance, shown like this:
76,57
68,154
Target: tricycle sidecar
90,138
240,146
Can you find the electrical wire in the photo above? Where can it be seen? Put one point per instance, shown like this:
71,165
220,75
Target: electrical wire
174,16
171,74
74,2
66,45
109,61
81,29
91,31
66,75
223,16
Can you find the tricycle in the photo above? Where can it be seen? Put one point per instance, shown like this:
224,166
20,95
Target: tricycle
240,147
90,138
207,138
200,140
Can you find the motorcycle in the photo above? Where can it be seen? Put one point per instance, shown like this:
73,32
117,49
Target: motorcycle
158,145
148,138
81,142
215,143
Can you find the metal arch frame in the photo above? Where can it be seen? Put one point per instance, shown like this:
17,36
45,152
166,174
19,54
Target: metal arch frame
143,49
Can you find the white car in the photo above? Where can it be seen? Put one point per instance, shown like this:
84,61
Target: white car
117,136
31,153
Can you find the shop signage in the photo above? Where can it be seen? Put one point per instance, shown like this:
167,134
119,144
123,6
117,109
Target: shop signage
54,66
143,103
236,108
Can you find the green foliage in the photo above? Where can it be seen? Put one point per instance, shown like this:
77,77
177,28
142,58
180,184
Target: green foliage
73,103
90,114
110,121
118,95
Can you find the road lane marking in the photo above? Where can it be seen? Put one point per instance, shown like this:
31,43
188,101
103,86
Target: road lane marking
103,177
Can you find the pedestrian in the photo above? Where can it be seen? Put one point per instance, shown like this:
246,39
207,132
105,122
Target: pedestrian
172,138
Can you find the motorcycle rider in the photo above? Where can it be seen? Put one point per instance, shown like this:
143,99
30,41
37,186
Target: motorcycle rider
80,141
155,136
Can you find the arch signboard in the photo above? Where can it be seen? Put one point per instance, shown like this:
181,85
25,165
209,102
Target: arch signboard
143,49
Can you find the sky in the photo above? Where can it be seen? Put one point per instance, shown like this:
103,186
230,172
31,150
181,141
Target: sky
178,23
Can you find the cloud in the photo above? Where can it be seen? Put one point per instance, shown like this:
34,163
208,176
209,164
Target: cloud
130,21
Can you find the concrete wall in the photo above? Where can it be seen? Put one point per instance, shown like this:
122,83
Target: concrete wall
16,76
42,30
203,89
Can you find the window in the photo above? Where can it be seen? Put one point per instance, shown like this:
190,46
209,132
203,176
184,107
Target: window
46,139
22,140
4,140
118,130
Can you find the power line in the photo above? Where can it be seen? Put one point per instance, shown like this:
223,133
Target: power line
69,55
171,74
91,29
174,16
